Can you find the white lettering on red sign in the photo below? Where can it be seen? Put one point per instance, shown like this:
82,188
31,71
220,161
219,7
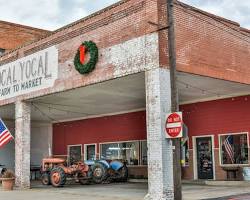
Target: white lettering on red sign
174,125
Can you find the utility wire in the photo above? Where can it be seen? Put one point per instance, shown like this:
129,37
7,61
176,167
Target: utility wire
69,111
55,104
198,88
43,113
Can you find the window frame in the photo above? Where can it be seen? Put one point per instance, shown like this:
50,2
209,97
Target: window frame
139,159
140,152
85,150
220,148
73,145
194,145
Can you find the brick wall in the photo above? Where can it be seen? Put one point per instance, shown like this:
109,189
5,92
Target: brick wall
124,47
13,35
111,28
207,44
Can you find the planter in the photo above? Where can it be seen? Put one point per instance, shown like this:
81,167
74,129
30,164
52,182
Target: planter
7,183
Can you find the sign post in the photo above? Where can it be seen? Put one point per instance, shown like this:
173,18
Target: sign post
174,125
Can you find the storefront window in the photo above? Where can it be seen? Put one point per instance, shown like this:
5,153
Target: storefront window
126,151
74,153
234,149
144,153
90,152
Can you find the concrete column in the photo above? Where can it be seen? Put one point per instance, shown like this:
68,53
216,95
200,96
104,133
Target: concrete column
22,144
160,151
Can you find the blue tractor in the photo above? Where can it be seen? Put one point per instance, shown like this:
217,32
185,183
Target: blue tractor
108,171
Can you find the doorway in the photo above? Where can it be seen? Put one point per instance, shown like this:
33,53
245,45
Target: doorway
204,157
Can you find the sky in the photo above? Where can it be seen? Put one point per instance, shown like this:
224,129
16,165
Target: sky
53,14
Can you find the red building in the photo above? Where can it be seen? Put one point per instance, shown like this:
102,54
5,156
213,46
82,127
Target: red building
118,110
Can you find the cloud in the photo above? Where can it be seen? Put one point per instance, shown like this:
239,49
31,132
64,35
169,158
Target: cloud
237,11
53,14
39,13
49,14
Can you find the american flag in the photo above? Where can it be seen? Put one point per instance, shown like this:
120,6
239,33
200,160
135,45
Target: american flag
228,144
5,135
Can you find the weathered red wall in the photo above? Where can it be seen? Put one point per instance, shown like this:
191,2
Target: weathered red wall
230,115
123,127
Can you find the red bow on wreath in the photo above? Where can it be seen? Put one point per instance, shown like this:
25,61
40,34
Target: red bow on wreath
82,54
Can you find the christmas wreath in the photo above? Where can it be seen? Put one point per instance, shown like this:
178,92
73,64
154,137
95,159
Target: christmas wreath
80,65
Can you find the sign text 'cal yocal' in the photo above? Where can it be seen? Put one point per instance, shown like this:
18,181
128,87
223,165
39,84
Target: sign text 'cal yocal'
28,74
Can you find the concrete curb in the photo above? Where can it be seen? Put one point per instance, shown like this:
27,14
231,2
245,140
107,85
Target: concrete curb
218,183
132,180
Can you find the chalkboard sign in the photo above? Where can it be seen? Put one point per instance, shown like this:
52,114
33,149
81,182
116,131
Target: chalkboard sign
75,154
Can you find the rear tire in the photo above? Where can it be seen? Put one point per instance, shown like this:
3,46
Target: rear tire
45,178
100,173
57,177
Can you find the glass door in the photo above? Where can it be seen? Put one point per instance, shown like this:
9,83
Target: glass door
204,157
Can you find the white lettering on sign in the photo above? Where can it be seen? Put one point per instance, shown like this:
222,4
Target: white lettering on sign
31,73
173,125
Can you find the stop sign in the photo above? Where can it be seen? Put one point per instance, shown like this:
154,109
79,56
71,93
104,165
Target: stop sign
174,125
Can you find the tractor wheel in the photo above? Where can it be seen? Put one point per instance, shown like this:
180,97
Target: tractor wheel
100,173
57,177
123,173
45,178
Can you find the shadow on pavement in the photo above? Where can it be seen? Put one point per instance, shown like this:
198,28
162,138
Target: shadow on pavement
235,197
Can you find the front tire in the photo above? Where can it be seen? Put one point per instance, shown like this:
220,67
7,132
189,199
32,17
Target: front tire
100,173
57,177
45,178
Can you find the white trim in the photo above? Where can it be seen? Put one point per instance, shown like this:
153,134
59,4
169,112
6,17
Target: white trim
97,116
219,139
188,144
122,141
85,150
140,152
73,145
60,155
214,98
195,155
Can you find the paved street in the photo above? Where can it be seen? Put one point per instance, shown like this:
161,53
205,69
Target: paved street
121,191
237,197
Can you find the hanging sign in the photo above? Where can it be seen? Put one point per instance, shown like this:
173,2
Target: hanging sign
28,74
173,125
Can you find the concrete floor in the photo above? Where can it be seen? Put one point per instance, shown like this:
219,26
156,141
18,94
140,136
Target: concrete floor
119,191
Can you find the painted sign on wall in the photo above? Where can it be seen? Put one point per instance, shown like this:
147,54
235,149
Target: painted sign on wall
28,74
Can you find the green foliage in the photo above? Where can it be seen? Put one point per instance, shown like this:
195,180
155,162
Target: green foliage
90,65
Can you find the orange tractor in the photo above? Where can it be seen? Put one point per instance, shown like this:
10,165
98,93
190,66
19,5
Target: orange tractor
55,171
